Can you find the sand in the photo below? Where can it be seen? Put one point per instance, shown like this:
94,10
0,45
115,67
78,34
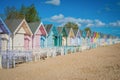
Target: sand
102,63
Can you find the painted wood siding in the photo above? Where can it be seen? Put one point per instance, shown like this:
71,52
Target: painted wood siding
50,40
21,41
4,41
18,42
27,42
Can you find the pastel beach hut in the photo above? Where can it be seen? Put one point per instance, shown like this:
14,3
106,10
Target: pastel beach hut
60,29
71,36
98,39
105,39
50,36
92,39
39,35
4,36
84,41
88,38
77,41
56,36
20,34
64,37
102,41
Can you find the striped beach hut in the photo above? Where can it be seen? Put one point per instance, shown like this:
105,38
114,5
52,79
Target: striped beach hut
39,35
4,36
20,34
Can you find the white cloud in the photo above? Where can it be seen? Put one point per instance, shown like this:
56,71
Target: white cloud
89,25
57,17
99,23
53,2
61,20
115,24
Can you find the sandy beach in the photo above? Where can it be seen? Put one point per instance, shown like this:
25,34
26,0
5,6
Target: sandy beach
102,63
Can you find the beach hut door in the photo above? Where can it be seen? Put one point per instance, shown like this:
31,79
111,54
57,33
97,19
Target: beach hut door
42,39
26,43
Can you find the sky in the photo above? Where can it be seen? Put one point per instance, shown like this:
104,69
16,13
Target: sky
100,15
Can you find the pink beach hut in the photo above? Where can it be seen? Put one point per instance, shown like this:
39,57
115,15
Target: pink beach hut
39,35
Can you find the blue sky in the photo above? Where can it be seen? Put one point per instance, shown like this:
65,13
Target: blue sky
99,15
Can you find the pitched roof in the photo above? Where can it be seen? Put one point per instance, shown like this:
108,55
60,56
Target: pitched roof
48,27
67,30
55,31
84,34
75,31
13,24
64,33
33,26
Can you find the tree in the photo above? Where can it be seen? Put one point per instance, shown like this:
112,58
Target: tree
71,25
87,29
29,13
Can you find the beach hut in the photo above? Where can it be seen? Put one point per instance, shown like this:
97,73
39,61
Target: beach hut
4,36
92,39
64,37
84,38
39,35
60,29
50,36
71,36
20,34
102,41
77,41
56,37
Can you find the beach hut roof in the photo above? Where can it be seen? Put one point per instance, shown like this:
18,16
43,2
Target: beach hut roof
55,31
75,31
4,27
33,26
78,34
83,34
64,33
13,24
48,27
67,30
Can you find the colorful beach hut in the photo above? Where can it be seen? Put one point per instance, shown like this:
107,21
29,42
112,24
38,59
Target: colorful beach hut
77,39
64,37
20,34
50,36
56,36
60,29
4,36
39,35
71,36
